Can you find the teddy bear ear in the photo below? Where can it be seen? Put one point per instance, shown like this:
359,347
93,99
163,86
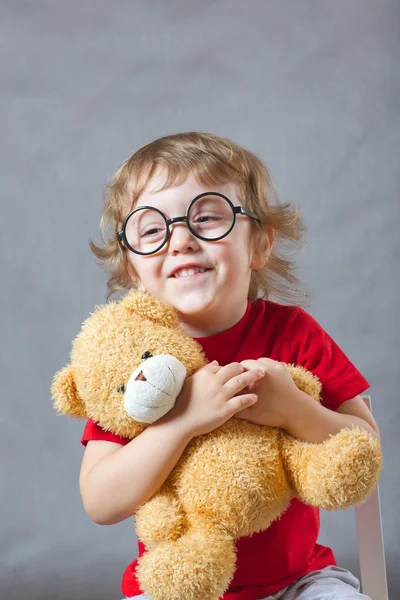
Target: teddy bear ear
144,305
65,395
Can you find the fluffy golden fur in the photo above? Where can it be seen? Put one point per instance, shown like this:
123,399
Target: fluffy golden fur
230,483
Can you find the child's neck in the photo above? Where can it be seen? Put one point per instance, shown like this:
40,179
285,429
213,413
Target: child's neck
205,325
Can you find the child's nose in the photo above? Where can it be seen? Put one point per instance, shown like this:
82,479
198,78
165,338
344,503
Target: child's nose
181,239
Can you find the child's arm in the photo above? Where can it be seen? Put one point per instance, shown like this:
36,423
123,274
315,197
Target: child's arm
282,404
312,422
116,479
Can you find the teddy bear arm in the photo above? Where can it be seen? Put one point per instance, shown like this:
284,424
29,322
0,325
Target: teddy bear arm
336,474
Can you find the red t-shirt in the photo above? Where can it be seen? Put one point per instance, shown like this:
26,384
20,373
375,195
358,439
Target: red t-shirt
273,559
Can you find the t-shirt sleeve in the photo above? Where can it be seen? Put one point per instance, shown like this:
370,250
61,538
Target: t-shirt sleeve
93,431
315,350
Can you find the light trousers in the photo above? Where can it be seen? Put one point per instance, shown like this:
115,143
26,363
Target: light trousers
331,583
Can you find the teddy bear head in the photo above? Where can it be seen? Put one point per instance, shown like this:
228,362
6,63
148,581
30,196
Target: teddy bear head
128,364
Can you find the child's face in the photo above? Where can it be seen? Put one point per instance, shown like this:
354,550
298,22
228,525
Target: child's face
206,302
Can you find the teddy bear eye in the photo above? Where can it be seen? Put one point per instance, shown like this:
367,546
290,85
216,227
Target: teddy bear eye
121,388
147,355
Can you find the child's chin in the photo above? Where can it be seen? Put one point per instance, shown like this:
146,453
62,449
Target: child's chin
190,305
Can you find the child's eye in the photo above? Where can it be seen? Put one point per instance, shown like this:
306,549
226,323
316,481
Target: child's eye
205,218
121,388
147,355
153,232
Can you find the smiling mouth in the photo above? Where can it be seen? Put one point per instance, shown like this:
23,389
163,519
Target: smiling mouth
184,273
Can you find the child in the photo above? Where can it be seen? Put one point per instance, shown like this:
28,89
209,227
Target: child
212,265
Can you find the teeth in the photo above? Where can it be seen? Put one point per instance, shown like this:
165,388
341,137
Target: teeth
189,272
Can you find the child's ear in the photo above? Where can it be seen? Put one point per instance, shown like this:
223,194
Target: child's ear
65,395
261,254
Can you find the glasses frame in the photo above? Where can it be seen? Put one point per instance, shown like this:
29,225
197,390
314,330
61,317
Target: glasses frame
236,210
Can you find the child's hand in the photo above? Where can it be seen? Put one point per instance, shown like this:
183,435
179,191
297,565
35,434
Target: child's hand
278,396
213,395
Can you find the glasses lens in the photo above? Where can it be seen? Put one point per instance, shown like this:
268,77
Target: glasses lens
145,230
211,217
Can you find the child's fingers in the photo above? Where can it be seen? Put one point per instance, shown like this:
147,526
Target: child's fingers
212,366
240,403
268,364
251,363
230,370
243,380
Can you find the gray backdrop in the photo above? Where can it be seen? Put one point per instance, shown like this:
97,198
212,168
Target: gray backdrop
313,88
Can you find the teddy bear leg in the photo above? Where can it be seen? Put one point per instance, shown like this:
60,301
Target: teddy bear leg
336,474
161,519
198,566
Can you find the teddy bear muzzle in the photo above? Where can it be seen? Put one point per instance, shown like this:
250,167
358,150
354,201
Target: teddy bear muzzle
153,387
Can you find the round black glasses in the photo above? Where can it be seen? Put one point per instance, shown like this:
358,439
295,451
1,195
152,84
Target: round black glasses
210,216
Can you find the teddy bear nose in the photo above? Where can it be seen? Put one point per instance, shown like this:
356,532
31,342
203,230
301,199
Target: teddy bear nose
140,377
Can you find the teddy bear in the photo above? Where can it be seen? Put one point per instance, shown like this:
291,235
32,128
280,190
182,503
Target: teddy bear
128,364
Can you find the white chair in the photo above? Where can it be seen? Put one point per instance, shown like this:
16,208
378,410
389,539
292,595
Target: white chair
371,550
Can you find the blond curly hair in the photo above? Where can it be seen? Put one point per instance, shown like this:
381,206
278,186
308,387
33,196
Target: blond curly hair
212,159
